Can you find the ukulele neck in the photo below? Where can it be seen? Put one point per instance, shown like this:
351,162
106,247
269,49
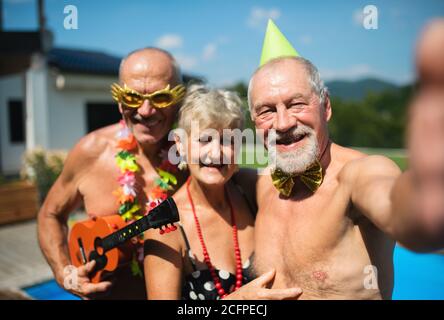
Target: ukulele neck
162,215
121,236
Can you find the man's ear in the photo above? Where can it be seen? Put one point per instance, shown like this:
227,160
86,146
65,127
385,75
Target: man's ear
120,108
327,108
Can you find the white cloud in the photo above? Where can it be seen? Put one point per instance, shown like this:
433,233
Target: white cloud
405,78
186,61
360,71
169,41
209,51
358,17
258,16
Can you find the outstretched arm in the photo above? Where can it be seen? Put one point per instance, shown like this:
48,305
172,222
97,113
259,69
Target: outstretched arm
385,196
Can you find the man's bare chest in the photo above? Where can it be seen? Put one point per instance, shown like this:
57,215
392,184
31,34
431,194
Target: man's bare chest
98,189
313,225
301,239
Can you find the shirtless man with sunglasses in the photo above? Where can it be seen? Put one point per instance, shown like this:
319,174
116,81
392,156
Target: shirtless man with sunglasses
148,96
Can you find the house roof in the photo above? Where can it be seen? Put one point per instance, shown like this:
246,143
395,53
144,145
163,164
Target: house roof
94,62
82,61
16,48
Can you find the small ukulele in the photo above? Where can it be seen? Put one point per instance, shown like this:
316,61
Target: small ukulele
102,238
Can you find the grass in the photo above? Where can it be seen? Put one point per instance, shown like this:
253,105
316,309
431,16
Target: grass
398,156
400,161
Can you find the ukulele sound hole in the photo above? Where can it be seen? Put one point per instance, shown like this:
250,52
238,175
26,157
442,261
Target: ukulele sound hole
98,246
98,255
101,260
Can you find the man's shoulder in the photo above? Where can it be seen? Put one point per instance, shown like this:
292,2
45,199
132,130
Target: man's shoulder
345,154
355,163
92,147
97,141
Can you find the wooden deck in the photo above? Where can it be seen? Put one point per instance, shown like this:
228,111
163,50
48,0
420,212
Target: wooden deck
21,261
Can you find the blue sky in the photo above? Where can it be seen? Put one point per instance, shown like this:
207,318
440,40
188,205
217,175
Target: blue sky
222,39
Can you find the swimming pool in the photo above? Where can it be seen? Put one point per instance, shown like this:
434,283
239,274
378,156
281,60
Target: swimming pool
417,276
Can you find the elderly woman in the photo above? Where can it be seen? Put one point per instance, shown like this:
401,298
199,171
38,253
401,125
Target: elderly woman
207,258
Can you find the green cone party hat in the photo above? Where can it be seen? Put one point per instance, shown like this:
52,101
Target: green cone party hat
275,45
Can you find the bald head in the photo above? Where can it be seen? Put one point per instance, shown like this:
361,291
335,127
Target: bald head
430,53
147,71
149,64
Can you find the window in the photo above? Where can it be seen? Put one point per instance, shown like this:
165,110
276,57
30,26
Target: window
16,115
101,114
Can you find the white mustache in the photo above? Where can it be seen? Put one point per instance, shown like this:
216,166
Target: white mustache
291,134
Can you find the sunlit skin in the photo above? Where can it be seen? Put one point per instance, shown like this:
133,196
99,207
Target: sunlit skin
90,174
146,74
282,107
324,242
210,177
426,157
209,147
315,226
430,54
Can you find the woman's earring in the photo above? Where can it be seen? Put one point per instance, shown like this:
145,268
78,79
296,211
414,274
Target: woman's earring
182,164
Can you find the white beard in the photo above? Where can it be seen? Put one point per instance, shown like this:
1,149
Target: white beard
296,161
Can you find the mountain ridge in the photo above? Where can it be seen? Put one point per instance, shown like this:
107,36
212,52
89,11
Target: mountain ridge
358,89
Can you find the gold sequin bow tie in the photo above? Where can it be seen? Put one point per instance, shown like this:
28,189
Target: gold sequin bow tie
312,178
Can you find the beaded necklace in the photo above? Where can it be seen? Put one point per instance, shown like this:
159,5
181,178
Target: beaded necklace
217,283
127,194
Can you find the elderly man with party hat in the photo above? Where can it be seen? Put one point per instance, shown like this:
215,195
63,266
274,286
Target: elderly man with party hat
328,215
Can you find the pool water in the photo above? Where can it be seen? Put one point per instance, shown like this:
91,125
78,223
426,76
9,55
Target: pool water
49,290
417,276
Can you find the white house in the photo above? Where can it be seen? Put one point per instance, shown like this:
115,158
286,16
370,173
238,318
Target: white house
58,98
51,97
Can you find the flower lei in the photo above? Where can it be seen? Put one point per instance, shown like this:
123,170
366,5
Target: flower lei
127,197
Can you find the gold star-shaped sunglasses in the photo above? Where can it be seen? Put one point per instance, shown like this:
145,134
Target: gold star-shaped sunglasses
159,99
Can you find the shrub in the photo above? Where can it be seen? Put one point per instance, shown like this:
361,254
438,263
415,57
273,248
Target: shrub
42,167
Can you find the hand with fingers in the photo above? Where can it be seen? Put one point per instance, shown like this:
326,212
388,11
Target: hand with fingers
426,161
258,289
80,283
